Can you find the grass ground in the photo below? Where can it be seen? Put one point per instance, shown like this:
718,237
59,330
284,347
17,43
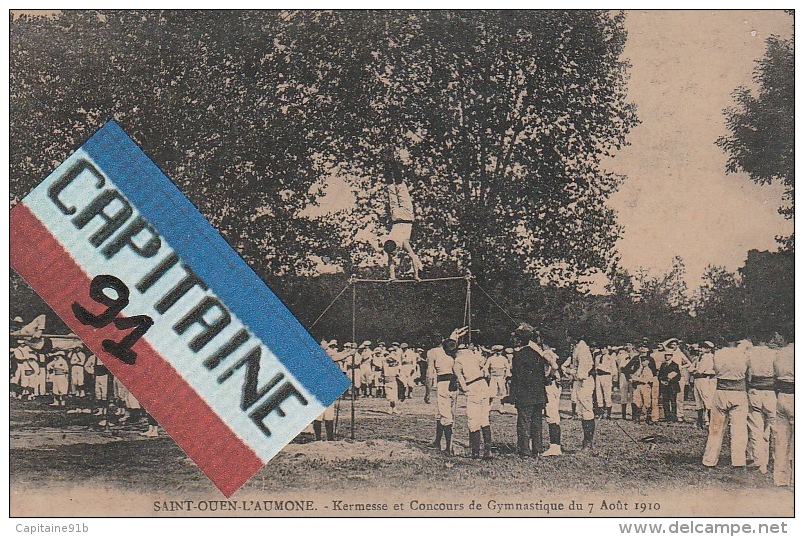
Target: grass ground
52,450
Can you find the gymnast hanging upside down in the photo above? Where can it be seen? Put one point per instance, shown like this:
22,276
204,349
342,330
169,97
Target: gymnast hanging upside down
402,215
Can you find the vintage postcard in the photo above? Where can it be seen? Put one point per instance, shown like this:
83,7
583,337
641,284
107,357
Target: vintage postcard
550,255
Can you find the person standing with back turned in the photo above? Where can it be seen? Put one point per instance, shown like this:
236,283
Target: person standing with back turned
581,366
440,375
528,391
730,405
471,377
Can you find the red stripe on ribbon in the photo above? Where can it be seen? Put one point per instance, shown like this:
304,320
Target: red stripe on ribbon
39,258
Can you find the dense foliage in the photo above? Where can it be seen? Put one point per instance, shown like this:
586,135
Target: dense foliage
761,138
500,120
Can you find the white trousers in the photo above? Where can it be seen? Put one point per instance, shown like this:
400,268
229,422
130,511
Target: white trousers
731,406
761,422
785,441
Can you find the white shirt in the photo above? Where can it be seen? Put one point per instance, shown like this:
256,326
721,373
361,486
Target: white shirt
439,362
760,361
783,364
731,363
582,360
497,364
468,367
706,364
400,202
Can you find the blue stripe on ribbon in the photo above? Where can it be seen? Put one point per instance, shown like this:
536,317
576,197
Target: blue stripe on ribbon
196,242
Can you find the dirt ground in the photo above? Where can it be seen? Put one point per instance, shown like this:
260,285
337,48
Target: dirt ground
83,469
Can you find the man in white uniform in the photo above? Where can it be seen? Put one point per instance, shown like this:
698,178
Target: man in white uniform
581,365
58,374
642,381
390,372
551,409
77,359
38,347
468,370
783,374
761,403
27,369
377,364
408,366
352,361
567,372
363,365
731,404
705,384
331,348
498,370
605,369
441,377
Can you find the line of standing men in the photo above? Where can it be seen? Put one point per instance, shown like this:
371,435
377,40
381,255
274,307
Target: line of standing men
754,395
750,386
61,367
653,382
455,367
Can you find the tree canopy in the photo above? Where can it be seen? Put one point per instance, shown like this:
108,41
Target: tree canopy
500,118
761,125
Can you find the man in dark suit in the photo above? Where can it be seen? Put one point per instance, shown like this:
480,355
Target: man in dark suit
528,393
669,378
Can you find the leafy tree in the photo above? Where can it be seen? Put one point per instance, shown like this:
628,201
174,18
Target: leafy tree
674,286
719,306
501,119
659,307
761,125
623,296
184,85
768,286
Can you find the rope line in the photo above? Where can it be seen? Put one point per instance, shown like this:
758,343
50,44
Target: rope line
330,305
626,432
496,304
467,315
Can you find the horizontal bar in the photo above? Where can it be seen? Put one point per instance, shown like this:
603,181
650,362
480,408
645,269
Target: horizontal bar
63,336
423,280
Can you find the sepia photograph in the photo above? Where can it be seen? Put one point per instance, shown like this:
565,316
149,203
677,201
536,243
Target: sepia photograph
551,253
